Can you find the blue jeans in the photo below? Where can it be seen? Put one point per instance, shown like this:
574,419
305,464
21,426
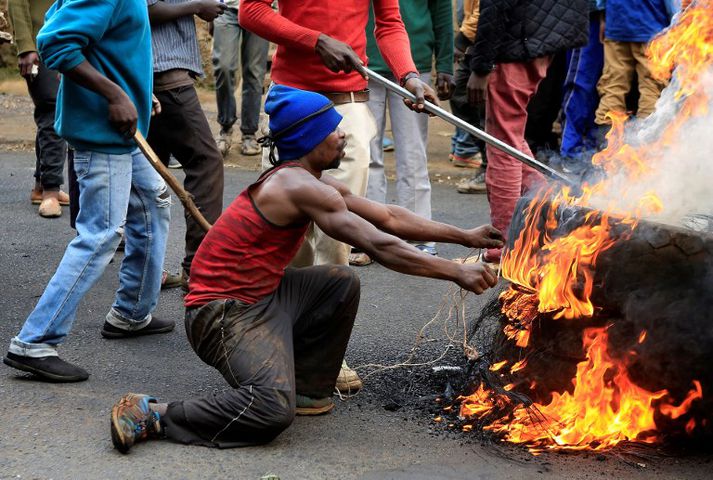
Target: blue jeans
118,194
233,46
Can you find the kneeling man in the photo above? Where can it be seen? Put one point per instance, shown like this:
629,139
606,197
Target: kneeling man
276,334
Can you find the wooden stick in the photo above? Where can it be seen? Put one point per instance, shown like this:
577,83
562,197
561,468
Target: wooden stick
185,197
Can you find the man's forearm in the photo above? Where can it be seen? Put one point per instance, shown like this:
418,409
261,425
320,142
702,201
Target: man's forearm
162,12
89,77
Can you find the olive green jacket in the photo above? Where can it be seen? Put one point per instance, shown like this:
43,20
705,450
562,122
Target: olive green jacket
27,17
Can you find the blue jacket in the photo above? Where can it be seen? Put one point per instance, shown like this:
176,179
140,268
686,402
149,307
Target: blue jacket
636,20
114,36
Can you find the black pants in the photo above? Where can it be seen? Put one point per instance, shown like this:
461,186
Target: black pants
462,109
292,341
50,149
182,130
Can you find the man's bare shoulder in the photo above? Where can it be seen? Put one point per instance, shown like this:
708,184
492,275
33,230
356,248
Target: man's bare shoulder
299,185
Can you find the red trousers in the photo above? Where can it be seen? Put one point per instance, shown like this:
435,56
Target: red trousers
510,88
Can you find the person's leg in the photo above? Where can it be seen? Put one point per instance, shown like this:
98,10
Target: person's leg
510,88
105,185
254,65
251,346
50,149
649,88
615,81
376,188
544,107
413,186
581,97
146,229
182,129
465,146
225,58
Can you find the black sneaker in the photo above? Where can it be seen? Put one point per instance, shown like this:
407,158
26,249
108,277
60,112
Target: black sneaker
156,325
50,369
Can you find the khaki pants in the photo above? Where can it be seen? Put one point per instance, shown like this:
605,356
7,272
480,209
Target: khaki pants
621,59
359,126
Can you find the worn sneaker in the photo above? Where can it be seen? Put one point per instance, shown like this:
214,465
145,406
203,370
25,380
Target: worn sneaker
174,164
51,368
170,280
49,207
429,249
313,406
476,161
474,184
250,147
387,144
133,421
348,380
225,140
156,325
359,259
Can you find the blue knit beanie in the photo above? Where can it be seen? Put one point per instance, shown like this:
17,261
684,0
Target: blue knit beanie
299,121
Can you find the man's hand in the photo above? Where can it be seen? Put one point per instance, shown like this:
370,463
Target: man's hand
477,86
444,85
155,105
485,236
476,277
26,61
123,115
208,10
422,92
336,55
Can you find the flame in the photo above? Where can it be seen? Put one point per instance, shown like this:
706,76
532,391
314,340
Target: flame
604,408
552,272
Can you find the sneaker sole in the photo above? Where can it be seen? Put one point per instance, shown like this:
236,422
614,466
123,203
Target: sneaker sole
312,411
136,333
116,437
41,373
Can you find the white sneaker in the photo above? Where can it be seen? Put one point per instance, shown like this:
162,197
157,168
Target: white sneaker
225,141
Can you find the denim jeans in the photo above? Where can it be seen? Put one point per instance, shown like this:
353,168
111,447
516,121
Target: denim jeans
463,144
233,46
118,194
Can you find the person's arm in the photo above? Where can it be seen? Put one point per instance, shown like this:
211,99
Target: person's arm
469,28
67,32
326,207
442,20
406,225
162,12
27,56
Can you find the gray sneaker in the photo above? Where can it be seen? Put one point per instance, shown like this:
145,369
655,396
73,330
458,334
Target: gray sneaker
250,146
224,142
474,184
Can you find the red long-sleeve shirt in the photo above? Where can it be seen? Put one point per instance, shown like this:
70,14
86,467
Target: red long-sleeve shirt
298,24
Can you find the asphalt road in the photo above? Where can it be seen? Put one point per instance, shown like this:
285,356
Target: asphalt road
62,431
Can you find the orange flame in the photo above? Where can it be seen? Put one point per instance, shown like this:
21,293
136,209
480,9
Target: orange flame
604,408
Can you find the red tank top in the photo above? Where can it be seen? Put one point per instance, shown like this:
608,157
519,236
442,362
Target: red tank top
244,255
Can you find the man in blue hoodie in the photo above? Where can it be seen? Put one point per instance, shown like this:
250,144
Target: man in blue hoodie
627,26
103,50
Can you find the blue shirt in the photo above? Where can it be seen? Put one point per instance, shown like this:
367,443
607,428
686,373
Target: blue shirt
114,36
636,20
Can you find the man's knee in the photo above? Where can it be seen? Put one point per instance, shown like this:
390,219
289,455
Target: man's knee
278,410
346,278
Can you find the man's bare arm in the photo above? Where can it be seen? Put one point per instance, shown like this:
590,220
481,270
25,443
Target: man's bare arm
405,224
208,10
328,210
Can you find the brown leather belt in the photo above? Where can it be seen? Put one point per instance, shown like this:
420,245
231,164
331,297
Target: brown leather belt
340,98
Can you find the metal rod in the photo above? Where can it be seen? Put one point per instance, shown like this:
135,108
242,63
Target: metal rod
476,132
185,197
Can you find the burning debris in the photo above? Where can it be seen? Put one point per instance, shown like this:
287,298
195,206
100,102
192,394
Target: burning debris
606,334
